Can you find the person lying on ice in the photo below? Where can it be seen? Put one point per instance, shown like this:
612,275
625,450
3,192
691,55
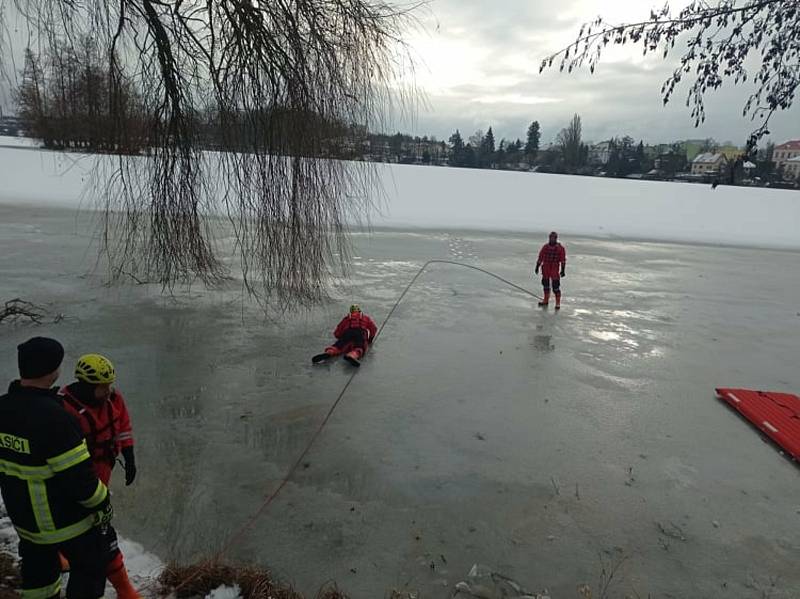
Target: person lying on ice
103,417
354,335
553,262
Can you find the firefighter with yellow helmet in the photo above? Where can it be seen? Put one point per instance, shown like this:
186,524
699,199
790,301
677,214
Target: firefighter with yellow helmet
103,416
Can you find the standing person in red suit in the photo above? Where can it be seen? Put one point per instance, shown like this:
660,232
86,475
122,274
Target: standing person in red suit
553,262
354,334
103,416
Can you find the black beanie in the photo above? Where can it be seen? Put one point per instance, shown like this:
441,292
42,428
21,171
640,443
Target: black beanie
38,357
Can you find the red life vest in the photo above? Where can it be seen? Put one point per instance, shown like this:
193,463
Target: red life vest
106,427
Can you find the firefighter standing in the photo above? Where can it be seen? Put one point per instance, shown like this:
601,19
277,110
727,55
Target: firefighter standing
53,497
103,416
354,334
553,262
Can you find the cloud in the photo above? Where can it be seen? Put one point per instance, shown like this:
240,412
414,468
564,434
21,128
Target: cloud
480,68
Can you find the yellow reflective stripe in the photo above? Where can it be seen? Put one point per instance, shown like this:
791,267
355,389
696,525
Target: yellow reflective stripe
60,535
41,506
43,592
70,458
100,494
25,472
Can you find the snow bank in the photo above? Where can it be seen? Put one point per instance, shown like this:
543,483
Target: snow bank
452,198
143,567
478,199
19,142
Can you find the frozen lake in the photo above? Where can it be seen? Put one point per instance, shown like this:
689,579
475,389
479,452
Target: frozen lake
480,430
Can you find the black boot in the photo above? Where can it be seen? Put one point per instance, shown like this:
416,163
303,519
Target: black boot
321,358
352,360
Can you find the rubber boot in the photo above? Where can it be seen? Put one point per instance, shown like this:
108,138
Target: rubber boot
558,300
118,577
354,357
330,352
546,300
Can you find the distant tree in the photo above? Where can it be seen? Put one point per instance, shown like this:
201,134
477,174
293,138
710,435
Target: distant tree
569,142
457,149
673,161
487,151
709,145
426,157
724,40
470,156
29,96
475,158
532,145
765,166
66,100
476,139
766,153
396,145
501,155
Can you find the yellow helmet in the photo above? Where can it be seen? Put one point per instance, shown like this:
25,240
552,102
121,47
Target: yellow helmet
355,308
95,369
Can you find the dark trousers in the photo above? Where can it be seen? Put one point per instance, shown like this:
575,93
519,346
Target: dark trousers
556,284
88,556
352,339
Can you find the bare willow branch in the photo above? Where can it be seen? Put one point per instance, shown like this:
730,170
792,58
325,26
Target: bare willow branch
721,41
224,115
16,309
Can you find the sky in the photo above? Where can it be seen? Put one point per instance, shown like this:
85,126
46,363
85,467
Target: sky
479,67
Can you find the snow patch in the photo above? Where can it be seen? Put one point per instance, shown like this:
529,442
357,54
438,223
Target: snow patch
469,199
143,567
224,592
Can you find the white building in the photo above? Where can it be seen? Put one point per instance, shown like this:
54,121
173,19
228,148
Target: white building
708,163
786,155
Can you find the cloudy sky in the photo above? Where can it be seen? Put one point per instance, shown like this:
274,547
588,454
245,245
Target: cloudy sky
479,67
478,62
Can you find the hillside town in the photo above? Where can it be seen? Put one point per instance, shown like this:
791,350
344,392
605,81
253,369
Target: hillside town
691,160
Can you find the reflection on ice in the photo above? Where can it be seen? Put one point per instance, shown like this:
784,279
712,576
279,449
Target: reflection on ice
605,335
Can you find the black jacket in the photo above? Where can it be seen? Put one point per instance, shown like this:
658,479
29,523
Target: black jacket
49,488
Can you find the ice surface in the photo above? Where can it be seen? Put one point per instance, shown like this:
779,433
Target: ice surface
480,429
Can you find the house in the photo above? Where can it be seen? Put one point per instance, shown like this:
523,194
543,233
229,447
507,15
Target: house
784,154
599,154
709,164
791,168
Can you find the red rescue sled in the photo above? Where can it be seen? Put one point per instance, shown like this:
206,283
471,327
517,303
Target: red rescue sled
777,415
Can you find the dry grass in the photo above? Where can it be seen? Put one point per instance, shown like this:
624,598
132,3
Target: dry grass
255,583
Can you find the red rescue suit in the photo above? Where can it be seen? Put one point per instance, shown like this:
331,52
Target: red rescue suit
106,427
551,258
356,331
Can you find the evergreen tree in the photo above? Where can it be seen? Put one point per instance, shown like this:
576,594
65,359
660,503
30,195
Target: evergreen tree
457,149
487,150
532,146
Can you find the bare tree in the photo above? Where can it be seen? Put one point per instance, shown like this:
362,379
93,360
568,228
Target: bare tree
569,142
272,77
721,40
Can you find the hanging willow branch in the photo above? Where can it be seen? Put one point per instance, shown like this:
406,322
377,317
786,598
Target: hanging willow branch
270,87
721,41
